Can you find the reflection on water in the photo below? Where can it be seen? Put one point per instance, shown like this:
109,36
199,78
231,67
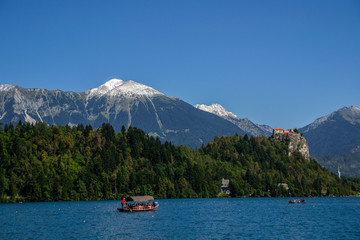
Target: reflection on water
239,218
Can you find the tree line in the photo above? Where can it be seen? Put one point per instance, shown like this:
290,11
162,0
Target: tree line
61,163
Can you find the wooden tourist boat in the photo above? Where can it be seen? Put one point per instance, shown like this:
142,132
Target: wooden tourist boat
139,204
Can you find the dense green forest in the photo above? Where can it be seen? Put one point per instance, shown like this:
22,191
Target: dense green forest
59,163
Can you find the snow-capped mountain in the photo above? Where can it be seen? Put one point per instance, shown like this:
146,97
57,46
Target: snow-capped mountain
216,109
117,87
243,123
120,103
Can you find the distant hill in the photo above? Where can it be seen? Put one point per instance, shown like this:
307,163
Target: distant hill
120,103
335,138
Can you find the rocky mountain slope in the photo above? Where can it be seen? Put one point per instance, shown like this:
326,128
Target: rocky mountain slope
120,103
243,123
335,133
334,140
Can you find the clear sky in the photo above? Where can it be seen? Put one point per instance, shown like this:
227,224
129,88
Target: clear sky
281,63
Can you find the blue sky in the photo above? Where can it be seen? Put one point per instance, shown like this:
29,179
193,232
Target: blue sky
281,63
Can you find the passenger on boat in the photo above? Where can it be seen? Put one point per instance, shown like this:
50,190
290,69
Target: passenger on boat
123,202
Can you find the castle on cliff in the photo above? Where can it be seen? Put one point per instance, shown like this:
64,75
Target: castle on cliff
297,142
282,131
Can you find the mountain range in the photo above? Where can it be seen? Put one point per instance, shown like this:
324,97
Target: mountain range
120,103
333,139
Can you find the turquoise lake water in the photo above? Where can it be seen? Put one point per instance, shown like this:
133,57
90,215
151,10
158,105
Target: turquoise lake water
235,218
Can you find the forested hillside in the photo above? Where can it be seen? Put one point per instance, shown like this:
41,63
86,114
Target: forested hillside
50,163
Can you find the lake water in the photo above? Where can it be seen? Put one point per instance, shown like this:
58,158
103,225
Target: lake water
235,218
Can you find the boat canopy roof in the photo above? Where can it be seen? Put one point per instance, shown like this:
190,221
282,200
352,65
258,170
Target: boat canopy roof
139,199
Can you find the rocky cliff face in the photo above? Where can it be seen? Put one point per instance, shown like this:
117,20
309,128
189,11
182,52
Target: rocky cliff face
296,142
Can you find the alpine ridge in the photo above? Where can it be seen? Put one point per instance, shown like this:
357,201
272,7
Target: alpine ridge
120,103
243,123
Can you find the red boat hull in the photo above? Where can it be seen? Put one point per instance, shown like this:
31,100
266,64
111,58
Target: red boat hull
138,210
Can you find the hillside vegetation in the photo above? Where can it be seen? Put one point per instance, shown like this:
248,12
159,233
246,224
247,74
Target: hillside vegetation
49,163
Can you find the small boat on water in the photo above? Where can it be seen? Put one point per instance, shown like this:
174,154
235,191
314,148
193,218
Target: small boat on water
297,201
139,204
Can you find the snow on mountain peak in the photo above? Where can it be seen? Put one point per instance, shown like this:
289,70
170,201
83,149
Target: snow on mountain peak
133,88
354,108
6,87
105,88
111,84
115,87
216,109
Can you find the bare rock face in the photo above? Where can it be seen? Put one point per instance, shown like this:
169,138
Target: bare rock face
296,142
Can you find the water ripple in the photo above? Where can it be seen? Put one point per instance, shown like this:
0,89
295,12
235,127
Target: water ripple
239,218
